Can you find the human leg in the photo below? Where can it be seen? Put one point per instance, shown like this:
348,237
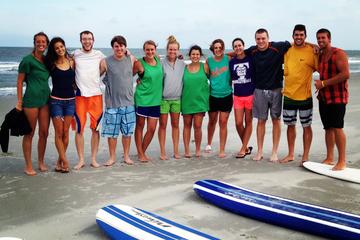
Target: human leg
95,112
188,118
276,139
80,117
260,135
330,145
291,136
140,123
340,140
150,130
44,122
32,117
162,135
261,112
112,142
198,119
59,144
247,133
175,118
213,118
307,139
223,120
239,122
126,141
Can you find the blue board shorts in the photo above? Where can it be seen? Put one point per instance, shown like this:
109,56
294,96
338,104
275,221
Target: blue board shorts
118,120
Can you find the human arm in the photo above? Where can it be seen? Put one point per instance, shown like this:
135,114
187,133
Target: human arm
102,66
207,69
138,68
315,47
342,65
19,90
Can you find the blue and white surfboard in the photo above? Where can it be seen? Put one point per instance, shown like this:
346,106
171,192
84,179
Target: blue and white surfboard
288,213
125,222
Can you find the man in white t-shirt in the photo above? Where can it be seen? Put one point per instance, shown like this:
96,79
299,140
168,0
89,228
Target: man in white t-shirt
88,96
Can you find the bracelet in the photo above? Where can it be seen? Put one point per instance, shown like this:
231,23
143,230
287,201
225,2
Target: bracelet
323,84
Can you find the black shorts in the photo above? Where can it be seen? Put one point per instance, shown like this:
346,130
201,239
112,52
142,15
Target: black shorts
332,115
221,104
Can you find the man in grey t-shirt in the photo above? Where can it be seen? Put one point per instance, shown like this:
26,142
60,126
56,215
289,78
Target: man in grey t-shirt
119,113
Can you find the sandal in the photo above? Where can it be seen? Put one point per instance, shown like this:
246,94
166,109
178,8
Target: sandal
249,150
241,155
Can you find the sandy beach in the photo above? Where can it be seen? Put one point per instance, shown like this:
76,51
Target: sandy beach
63,206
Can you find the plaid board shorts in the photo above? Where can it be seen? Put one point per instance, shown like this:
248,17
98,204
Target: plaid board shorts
118,120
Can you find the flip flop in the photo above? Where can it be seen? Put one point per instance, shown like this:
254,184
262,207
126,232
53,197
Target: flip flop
239,155
249,150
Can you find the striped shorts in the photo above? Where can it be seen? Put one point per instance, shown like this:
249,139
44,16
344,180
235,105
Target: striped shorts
118,120
291,107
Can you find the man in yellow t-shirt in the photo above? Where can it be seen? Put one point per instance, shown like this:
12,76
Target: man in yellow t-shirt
300,62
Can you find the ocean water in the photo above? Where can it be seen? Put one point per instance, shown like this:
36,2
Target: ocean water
10,58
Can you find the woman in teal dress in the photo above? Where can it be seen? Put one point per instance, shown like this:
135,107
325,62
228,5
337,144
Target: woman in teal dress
194,99
34,102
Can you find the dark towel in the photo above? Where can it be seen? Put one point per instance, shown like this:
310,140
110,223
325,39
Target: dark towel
17,123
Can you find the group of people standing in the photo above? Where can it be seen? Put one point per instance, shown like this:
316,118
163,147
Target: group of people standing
250,80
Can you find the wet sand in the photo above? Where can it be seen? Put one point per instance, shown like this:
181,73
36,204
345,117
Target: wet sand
63,206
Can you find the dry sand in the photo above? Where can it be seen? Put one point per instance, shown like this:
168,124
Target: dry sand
63,206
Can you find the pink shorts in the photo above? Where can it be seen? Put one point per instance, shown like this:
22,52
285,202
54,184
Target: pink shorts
243,102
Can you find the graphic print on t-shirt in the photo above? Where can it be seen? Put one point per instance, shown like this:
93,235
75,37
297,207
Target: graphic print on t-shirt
241,70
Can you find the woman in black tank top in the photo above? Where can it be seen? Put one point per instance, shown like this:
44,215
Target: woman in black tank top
62,98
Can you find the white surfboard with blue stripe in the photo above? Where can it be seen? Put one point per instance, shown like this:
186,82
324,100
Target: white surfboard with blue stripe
125,222
305,217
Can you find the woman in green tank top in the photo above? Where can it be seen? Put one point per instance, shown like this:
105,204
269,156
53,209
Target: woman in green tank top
148,96
34,102
194,99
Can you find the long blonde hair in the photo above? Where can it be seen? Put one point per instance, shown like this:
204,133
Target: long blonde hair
171,40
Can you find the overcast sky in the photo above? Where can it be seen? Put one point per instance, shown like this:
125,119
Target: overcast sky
191,21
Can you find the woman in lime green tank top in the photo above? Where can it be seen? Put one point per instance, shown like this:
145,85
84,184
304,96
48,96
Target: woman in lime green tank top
34,102
148,96
194,99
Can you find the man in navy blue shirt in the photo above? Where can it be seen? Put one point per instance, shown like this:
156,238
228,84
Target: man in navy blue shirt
268,58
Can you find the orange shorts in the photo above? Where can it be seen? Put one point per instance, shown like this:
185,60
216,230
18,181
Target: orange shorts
92,105
243,102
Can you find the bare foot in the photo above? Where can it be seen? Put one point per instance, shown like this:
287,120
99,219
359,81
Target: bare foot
274,158
221,155
109,163
59,166
288,158
187,155
177,156
128,161
30,172
79,166
163,157
94,165
328,161
198,154
42,167
339,166
143,159
208,149
302,163
258,157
